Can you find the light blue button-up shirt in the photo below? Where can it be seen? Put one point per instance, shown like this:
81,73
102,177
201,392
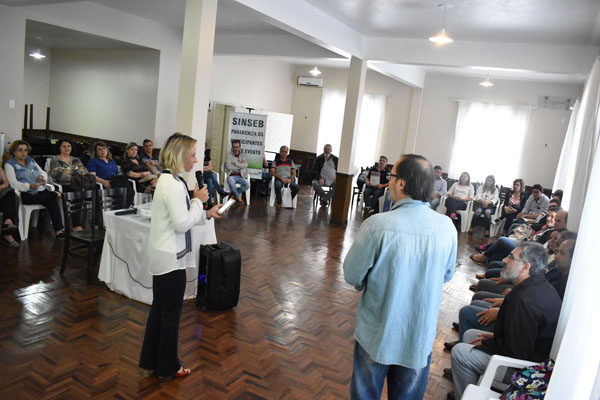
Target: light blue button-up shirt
401,259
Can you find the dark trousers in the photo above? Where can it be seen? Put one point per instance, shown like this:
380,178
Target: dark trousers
279,184
509,218
368,377
372,195
452,205
50,201
159,351
8,205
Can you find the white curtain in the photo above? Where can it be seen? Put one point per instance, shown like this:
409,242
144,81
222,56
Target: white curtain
568,155
369,131
331,120
488,141
583,147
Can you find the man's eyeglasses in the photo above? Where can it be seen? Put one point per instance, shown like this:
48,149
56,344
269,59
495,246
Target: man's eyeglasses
512,257
389,176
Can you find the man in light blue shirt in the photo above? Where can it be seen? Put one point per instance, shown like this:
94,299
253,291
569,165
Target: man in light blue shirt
400,260
440,187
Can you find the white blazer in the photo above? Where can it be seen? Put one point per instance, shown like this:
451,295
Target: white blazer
170,220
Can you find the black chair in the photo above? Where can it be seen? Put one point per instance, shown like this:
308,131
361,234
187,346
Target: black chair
86,241
114,199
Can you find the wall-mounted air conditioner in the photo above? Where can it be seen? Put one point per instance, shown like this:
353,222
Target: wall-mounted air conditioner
310,81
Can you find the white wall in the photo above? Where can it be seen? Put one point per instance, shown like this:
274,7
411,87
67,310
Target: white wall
546,131
256,82
12,49
306,107
109,94
36,85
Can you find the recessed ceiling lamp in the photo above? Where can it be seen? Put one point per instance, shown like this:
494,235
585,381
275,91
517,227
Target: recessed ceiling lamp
37,55
487,83
442,38
315,71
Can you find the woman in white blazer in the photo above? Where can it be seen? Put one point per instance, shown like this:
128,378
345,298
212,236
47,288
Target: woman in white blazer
170,253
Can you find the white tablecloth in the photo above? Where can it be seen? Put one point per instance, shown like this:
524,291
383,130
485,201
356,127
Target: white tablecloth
124,263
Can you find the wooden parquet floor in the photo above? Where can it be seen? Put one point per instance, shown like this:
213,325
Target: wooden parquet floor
290,337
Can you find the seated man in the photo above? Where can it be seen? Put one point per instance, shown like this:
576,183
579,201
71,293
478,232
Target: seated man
210,179
440,187
324,172
147,158
235,168
482,312
377,180
284,171
535,205
526,321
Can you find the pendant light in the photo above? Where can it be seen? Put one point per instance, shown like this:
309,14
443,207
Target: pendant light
315,71
487,83
442,38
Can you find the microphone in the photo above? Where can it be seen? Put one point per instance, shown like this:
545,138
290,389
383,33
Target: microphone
200,179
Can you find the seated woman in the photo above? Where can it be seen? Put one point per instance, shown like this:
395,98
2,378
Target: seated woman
105,169
514,203
8,207
63,167
485,203
26,176
134,169
102,165
459,194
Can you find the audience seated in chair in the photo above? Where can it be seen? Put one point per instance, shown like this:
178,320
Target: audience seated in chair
210,179
236,168
151,162
526,323
485,203
440,188
106,171
377,180
514,203
26,177
324,173
8,207
133,168
534,209
459,195
284,172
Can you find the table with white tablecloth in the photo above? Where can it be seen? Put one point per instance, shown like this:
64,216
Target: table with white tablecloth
124,262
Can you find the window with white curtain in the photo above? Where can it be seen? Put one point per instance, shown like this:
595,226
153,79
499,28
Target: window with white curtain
369,131
489,141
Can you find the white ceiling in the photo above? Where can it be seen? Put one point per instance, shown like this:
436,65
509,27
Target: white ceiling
393,32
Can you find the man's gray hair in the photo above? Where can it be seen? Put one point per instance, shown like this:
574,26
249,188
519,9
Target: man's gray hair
534,254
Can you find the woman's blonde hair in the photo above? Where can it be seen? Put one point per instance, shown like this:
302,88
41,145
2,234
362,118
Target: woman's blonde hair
100,143
177,147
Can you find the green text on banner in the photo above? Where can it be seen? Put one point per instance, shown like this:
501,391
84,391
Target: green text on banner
250,130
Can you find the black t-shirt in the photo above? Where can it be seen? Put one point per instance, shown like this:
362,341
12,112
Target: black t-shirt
206,157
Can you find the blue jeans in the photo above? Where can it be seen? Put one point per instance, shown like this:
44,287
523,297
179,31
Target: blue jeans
372,195
211,182
368,377
467,363
486,213
232,180
499,249
279,184
467,318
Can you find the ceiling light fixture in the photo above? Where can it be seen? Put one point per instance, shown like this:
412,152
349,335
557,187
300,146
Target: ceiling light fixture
315,71
487,83
37,55
442,38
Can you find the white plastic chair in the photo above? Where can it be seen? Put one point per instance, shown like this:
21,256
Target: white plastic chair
139,197
493,376
382,200
466,217
497,227
27,216
272,196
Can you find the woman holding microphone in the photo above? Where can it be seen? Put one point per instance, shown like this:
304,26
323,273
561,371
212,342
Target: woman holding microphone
170,253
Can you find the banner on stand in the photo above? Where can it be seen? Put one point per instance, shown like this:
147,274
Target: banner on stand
250,130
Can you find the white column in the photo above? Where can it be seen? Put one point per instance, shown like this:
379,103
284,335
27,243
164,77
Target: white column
354,94
196,68
413,122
